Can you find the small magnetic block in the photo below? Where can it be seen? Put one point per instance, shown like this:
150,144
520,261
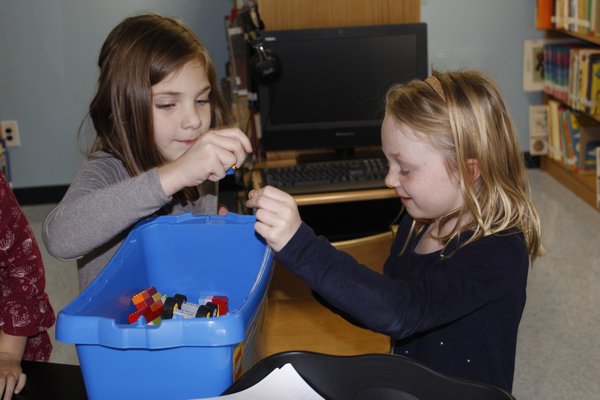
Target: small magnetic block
151,313
203,312
134,316
156,297
138,298
223,303
213,309
157,306
137,302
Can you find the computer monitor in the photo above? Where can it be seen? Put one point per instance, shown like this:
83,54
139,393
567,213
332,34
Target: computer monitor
330,93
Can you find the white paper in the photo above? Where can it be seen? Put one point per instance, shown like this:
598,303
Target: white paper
281,384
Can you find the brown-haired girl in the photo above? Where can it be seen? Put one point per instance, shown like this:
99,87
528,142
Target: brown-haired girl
161,129
453,289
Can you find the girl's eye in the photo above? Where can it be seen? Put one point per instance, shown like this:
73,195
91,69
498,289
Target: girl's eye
202,101
165,106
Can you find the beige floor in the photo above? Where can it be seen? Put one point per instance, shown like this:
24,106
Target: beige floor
558,350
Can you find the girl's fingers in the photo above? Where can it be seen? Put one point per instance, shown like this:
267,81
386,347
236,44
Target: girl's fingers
21,383
239,136
270,218
234,141
277,194
9,386
268,197
277,217
264,231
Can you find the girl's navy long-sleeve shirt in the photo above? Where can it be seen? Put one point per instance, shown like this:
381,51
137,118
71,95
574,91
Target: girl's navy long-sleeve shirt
458,315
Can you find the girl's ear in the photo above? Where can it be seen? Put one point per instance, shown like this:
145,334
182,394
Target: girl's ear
474,168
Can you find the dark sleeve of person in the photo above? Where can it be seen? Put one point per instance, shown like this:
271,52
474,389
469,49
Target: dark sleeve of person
448,289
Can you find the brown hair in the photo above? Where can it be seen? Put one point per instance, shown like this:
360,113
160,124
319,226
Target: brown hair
137,54
463,115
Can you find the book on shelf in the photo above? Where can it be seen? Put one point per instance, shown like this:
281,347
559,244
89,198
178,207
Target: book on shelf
580,11
543,15
572,139
572,13
594,18
594,92
538,129
590,90
565,139
554,128
578,76
574,77
588,141
560,13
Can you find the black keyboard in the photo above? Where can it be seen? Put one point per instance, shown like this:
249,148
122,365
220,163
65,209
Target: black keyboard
328,176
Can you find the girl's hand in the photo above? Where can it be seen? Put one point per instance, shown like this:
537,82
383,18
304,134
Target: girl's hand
223,210
277,216
12,378
207,159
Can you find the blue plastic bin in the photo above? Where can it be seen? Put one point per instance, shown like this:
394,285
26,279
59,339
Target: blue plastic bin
181,358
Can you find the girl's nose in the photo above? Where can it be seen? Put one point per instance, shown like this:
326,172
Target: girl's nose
391,180
192,119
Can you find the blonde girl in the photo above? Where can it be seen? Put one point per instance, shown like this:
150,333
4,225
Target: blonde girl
453,289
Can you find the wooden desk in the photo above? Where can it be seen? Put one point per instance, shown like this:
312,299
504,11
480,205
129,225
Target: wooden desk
297,321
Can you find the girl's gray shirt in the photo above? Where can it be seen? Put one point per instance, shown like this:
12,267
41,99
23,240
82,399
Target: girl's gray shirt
101,206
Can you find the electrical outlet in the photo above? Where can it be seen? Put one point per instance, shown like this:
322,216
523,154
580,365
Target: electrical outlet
9,131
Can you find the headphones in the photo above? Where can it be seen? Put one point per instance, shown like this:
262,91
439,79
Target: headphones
264,64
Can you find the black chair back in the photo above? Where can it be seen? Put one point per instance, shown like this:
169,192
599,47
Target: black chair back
370,377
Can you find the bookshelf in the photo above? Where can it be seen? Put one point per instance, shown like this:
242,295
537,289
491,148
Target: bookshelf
584,185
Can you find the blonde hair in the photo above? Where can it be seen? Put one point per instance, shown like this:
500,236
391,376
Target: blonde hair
463,115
